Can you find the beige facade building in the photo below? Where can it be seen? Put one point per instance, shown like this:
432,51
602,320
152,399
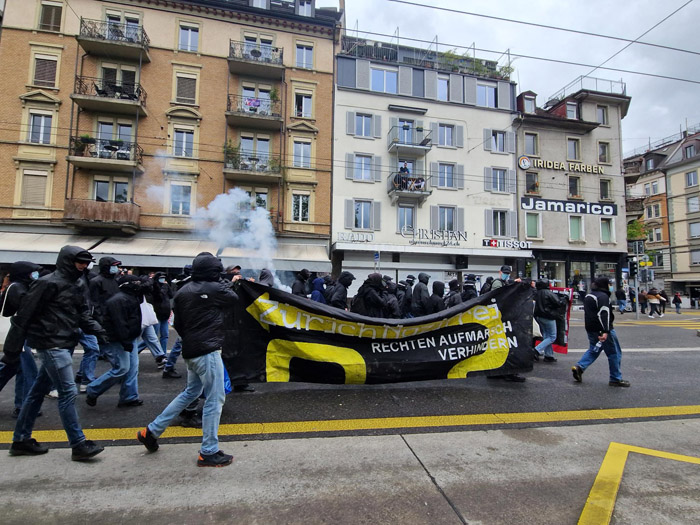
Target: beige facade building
125,118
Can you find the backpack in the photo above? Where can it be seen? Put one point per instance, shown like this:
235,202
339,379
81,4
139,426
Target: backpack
486,287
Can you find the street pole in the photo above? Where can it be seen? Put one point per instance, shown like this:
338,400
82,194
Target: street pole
636,281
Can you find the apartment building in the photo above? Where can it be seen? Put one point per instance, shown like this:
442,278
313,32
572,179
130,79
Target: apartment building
570,182
124,118
425,163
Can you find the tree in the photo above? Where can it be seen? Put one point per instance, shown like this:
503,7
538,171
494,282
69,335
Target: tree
636,230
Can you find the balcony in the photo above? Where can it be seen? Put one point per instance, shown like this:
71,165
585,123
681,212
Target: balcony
97,95
106,155
407,140
115,40
408,188
252,167
252,112
257,60
100,215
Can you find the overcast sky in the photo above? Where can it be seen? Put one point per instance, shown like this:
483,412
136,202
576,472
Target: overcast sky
659,107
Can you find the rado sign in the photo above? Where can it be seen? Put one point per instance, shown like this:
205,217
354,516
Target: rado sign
595,208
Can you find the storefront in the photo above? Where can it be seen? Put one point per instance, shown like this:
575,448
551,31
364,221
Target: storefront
576,269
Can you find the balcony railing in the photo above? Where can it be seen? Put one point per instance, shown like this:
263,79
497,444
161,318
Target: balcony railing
115,32
86,213
254,162
408,186
409,137
261,107
601,85
106,149
97,87
254,52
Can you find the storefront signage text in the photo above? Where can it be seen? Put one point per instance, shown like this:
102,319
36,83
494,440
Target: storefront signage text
530,203
355,237
424,236
506,243
526,163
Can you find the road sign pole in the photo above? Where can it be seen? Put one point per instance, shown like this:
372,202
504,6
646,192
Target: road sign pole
636,281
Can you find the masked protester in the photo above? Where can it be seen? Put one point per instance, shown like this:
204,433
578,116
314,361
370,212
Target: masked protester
299,286
339,297
420,304
469,289
393,311
453,297
317,293
369,299
436,302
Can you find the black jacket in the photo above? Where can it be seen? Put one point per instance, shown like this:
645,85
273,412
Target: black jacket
598,314
160,297
620,294
547,303
299,285
420,301
199,308
20,280
369,299
436,302
339,294
405,303
102,287
122,320
392,310
54,310
453,299
469,291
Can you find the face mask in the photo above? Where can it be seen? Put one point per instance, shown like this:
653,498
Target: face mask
114,270
506,275
34,276
161,280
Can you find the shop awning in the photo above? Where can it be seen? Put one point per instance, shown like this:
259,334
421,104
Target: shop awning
40,248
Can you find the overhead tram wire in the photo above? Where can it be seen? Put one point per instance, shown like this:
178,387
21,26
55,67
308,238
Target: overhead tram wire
555,28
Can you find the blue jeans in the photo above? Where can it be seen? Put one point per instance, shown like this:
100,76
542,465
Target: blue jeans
162,330
56,371
678,308
125,369
86,372
204,373
622,303
612,349
549,335
175,352
24,372
150,339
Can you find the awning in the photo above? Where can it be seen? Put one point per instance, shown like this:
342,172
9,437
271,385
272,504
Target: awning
39,248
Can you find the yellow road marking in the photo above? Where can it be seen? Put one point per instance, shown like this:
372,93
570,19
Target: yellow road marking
349,425
601,500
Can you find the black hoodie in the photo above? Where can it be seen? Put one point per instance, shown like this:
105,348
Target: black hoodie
123,311
299,285
160,297
436,303
103,286
339,294
20,280
420,301
266,278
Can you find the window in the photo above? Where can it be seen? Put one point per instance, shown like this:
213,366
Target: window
690,151
605,189
189,38
300,207
603,152
304,7
39,128
649,212
183,145
499,180
575,228
186,90
532,225
260,199
693,204
363,215
363,125
305,56
658,259
647,189
607,233
111,191
443,88
50,19
657,235
498,141
406,218
384,80
180,197
650,164
363,168
691,178
405,131
529,104
445,134
657,210
602,115
34,188
302,154
446,177
655,187
574,186
486,95
532,182
573,149
531,144
254,152
45,70
500,223
302,105
694,229
695,257
260,4
572,110
446,218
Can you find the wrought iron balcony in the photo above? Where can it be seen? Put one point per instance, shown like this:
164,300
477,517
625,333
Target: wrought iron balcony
93,214
251,58
409,187
114,39
95,94
251,166
409,140
105,154
261,113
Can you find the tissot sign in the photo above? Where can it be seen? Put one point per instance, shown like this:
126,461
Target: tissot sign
590,208
526,163
506,243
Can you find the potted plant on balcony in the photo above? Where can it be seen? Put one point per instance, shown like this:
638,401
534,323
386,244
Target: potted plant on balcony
80,146
274,95
232,155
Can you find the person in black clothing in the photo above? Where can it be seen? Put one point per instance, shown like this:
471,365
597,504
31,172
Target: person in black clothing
621,299
469,289
420,301
104,285
407,303
393,311
369,299
548,308
339,294
453,297
266,278
400,295
436,302
299,286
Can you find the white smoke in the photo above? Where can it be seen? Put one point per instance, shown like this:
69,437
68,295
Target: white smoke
155,193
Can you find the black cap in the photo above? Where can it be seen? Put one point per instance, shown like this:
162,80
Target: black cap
506,268
410,277
83,257
387,278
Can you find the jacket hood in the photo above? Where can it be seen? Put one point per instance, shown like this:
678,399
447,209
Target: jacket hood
346,279
318,284
304,274
423,277
402,285
266,277
542,284
20,271
131,284
65,262
454,285
375,281
391,287
438,287
158,275
105,263
206,267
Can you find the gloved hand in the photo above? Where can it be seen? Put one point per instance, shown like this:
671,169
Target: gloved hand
128,347
102,339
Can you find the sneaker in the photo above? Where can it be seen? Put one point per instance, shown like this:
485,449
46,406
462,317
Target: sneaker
82,389
661,315
171,374
145,437
91,400
621,382
53,394
514,378
128,404
577,371
535,355
549,359
651,316
191,422
28,447
243,388
160,361
86,450
218,459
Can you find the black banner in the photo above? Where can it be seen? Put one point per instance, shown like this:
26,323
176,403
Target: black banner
279,337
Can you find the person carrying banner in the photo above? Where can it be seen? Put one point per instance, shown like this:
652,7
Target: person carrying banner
339,295
469,291
453,297
299,285
420,301
370,300
392,311
547,310
407,302
599,317
437,303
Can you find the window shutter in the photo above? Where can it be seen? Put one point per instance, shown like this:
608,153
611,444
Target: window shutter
45,72
510,142
504,95
488,221
109,76
434,217
434,174
393,134
50,17
431,84
511,182
186,90
363,74
460,176
33,190
488,179
419,170
376,215
377,126
459,136
350,123
512,224
456,88
350,166
405,80
434,133
460,220
377,168
488,134
470,90
349,214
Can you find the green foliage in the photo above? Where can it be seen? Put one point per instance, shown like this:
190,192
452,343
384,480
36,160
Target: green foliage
636,231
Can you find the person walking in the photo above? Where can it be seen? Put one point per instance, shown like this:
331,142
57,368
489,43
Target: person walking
469,290
621,299
299,285
370,299
677,302
664,301
420,300
339,296
436,302
654,300
406,304
161,297
199,320
643,301
454,297
598,318
547,311
50,318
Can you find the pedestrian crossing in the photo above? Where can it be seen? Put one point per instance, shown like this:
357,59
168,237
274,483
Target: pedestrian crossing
690,321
